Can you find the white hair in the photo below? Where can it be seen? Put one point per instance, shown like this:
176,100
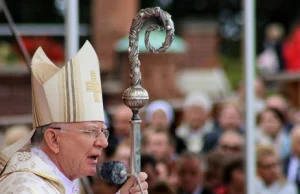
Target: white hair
198,99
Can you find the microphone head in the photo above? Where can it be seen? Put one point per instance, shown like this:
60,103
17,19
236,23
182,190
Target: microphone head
111,172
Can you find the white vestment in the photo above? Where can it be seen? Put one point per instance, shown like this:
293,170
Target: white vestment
32,172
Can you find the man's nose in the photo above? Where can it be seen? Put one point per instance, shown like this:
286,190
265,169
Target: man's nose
101,142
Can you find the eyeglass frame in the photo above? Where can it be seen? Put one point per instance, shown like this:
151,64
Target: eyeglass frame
269,166
104,131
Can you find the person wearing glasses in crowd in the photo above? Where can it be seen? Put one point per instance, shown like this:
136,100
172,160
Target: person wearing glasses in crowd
229,118
270,178
271,131
69,131
231,142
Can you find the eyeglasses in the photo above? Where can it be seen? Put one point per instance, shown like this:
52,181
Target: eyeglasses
93,133
269,166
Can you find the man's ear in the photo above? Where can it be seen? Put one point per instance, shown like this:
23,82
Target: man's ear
51,138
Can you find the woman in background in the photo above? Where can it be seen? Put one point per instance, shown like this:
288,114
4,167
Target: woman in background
271,131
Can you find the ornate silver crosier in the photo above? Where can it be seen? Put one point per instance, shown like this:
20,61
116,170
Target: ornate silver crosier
135,97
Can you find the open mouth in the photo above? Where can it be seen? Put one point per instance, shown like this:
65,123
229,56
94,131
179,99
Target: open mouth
94,157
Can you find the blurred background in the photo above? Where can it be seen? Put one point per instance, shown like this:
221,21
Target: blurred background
196,88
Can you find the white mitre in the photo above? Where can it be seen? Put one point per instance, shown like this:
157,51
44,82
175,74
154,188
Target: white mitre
68,94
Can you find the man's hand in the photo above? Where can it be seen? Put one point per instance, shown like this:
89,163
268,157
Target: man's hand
131,186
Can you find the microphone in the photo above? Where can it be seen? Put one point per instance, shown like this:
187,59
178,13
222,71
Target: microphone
113,172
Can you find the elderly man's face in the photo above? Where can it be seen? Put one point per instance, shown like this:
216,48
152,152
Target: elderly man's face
79,151
195,116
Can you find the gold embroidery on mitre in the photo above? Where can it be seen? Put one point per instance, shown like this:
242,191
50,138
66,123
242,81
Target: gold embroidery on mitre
94,86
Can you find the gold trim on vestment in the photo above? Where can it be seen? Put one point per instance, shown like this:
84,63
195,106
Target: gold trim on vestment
59,184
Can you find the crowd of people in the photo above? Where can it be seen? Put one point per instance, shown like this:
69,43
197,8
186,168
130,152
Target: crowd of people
204,153
202,150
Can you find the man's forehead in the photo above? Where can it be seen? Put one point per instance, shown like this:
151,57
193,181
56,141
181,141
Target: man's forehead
85,124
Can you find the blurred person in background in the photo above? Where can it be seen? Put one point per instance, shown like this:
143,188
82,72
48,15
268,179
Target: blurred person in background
233,177
291,164
160,145
271,61
120,125
271,131
190,174
231,142
149,165
157,172
270,179
213,173
160,117
279,102
14,133
259,88
260,91
229,118
294,116
163,170
291,49
196,121
122,154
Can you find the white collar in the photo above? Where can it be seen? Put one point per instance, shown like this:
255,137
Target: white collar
67,183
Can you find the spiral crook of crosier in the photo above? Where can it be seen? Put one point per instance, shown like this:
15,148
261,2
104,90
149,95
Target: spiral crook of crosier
135,96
